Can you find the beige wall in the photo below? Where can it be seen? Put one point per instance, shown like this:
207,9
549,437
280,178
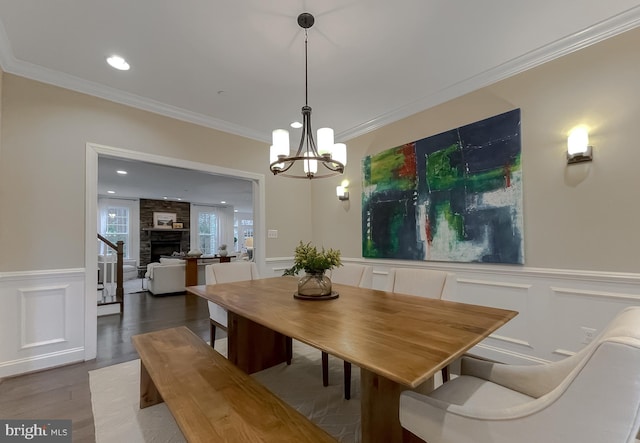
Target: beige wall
583,217
44,133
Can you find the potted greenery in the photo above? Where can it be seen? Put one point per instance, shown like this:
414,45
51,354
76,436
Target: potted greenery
314,263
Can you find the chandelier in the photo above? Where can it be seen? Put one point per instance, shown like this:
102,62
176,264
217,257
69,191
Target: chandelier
331,156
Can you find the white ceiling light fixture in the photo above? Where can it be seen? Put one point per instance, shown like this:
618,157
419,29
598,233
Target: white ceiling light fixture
121,172
311,155
118,63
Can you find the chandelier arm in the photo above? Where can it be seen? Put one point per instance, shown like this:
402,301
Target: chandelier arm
307,149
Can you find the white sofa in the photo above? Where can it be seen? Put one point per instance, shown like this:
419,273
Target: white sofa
167,277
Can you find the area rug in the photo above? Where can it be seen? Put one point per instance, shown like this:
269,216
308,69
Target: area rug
117,417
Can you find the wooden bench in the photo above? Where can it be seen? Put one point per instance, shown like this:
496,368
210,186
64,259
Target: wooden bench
210,398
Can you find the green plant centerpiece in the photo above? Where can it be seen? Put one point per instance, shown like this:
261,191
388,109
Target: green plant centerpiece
314,284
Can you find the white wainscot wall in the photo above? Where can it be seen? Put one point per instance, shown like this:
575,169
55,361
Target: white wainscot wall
41,320
554,306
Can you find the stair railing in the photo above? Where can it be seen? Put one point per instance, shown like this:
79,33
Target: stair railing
119,248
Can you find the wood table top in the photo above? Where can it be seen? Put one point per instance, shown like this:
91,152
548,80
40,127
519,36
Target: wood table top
404,338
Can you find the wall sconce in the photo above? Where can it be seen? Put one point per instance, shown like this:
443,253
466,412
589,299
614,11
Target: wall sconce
342,191
578,149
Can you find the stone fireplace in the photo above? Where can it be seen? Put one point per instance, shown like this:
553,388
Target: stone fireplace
156,242
163,247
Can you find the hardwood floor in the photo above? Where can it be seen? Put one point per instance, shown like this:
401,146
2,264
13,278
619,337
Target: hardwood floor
63,393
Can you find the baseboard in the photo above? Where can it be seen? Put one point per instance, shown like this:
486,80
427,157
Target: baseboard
40,362
110,309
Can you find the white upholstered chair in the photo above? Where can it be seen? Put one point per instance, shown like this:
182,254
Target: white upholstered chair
226,273
353,275
423,283
591,397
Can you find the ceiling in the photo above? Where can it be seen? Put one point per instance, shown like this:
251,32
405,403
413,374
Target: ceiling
158,182
238,66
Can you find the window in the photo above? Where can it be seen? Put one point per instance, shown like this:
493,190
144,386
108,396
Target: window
211,226
119,219
116,228
208,232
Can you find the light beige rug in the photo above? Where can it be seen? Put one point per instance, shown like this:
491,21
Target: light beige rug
117,417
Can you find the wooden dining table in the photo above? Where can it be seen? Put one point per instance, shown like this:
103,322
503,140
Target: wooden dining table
398,341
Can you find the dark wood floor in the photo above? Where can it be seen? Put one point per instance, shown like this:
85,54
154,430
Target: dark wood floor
63,393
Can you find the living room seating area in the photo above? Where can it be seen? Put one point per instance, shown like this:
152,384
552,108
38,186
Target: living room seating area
168,276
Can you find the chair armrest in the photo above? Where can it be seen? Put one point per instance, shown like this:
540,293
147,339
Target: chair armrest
598,401
534,380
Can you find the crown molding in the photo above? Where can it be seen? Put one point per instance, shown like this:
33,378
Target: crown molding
598,32
11,65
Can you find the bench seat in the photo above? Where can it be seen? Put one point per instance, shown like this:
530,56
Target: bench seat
210,398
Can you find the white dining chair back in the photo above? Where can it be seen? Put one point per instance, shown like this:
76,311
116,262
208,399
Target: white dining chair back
226,273
421,282
591,397
230,272
353,275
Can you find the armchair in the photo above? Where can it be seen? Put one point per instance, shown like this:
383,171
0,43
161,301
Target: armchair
593,396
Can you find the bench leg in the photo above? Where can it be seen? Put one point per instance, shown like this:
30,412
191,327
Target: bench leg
149,394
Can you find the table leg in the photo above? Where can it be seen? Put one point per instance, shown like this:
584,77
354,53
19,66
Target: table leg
191,272
191,278
253,347
380,405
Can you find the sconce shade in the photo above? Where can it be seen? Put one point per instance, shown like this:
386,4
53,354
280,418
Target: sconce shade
578,149
342,191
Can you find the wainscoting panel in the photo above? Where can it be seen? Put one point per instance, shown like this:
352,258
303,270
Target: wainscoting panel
42,320
43,315
587,311
557,309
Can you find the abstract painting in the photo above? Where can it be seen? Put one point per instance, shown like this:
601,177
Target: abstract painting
454,196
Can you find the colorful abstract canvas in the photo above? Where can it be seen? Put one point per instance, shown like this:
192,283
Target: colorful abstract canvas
455,196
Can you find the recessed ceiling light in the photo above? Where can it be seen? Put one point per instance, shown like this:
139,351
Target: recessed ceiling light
166,198
296,125
111,192
121,172
223,202
235,210
118,63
